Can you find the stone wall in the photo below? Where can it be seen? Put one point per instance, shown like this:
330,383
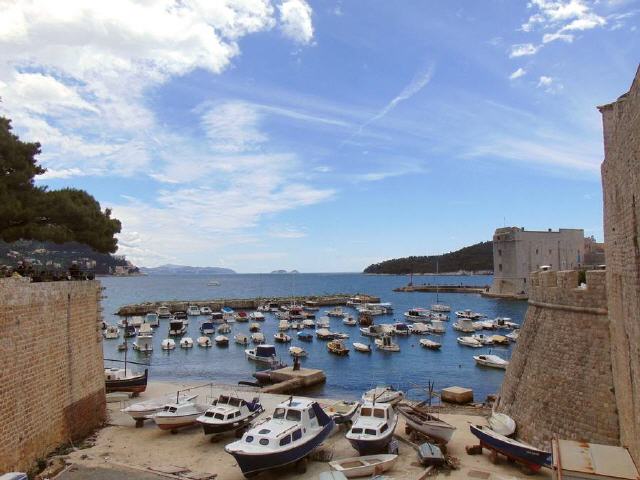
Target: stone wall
559,381
52,380
621,188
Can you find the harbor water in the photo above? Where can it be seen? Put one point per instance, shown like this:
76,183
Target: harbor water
347,377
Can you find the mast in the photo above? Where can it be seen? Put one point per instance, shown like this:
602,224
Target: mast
126,347
437,280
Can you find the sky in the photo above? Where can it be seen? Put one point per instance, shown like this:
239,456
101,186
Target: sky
320,135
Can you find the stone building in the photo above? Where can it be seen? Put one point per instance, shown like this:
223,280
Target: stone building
518,252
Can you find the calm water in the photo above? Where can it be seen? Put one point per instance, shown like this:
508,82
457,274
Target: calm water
347,377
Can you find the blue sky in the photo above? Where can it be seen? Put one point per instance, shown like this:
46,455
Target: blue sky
319,135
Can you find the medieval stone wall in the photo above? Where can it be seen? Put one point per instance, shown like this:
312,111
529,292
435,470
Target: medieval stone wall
621,187
52,377
559,381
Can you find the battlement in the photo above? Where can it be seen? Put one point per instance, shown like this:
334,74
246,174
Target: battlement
562,289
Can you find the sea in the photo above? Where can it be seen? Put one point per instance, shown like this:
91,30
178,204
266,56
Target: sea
412,369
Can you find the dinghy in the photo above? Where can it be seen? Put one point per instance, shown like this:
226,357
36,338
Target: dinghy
228,413
366,466
186,342
373,428
204,341
168,344
222,341
362,347
426,423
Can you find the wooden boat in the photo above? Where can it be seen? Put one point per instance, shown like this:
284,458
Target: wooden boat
342,411
502,423
493,361
430,454
122,347
222,341
523,453
228,413
425,423
383,394
362,347
281,337
123,380
298,426
337,347
373,428
178,415
297,352
364,466
430,344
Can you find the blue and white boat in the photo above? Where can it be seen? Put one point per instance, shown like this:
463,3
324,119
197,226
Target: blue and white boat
298,426
373,428
207,328
305,336
528,455
228,314
262,353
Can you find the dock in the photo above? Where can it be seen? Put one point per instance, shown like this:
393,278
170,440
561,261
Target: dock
444,288
239,303
290,380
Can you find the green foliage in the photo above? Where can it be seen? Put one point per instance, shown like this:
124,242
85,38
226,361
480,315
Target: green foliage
35,213
473,258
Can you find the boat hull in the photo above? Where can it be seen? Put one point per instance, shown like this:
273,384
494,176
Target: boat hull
371,446
134,385
219,428
432,428
174,423
530,456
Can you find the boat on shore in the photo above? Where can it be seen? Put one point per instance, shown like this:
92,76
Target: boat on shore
228,413
174,416
383,394
373,428
143,410
502,423
420,420
125,380
341,411
493,361
365,466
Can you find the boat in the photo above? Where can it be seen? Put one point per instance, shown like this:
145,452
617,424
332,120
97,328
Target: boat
337,347
493,361
323,322
213,283
366,466
371,331
419,328
365,319
206,310
440,307
152,319
420,420
502,423
204,341
177,327
186,342
143,410
430,454
257,338
217,318
311,306
464,325
430,344
241,339
284,325
513,336
383,394
372,428
125,380
168,344
349,321
400,329
193,311
469,314
281,337
222,341
144,340
308,323
505,323
362,347
178,415
224,328
355,301
386,344
242,316
163,312
417,314
469,342
257,316
324,334
228,413
122,347
181,314
335,312
298,426
486,325
207,328
499,339
129,331
528,455
483,339
342,411
228,314
443,317
340,335
296,313
111,332
262,353
297,352
254,327
296,326
305,336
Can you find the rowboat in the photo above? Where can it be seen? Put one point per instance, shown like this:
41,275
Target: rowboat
430,454
364,466
426,423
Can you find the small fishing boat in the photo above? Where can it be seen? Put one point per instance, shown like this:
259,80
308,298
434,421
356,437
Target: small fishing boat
493,361
373,427
513,336
366,466
371,331
284,325
125,380
436,327
464,325
362,347
262,353
177,327
257,338
256,316
400,329
386,344
337,347
341,411
242,316
419,328
323,322
193,310
122,347
224,328
528,455
143,410
469,342
178,415
417,314
168,344
298,352
228,413
186,342
420,420
324,334
430,454
430,344
281,337
254,327
305,336
349,321
336,312
206,310
469,314
440,307
383,394
152,319
502,423
222,341
217,318
308,323
241,339
111,332
297,427
204,341
129,331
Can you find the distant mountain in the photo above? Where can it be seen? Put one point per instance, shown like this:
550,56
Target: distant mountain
170,269
475,258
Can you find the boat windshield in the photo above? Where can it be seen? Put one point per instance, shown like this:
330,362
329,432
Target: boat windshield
294,415
279,413
234,402
365,412
378,412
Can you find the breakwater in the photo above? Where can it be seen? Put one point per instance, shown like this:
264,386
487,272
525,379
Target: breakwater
238,303
443,288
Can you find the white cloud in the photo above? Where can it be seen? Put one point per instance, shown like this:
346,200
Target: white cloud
549,84
552,37
545,81
523,49
295,20
233,127
520,72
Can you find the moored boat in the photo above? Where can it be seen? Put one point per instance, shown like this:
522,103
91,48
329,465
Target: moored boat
305,336
186,342
262,353
204,341
464,325
400,329
257,338
168,344
222,341
241,339
386,344
207,328
469,314
362,347
513,336
193,310
341,411
152,319
224,328
177,327
349,321
373,427
493,361
335,312
417,314
111,332
365,466
337,347
163,312
205,310
297,352
254,327
430,344
229,413
426,423
469,342
419,328
281,337
324,334
440,307
437,327
257,316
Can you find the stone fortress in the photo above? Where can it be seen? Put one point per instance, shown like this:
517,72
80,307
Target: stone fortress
576,370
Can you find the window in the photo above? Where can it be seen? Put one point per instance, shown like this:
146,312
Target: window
279,413
285,440
312,413
173,409
264,431
249,439
356,430
294,415
264,441
219,416
536,251
237,414
365,412
500,267
384,428
378,413
297,435
369,431
208,414
234,402
499,252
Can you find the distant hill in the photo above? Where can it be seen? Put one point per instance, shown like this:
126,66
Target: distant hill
185,270
474,258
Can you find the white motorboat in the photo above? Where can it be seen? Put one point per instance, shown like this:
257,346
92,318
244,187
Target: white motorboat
206,310
383,394
419,419
217,318
111,332
256,316
308,323
506,323
418,314
430,344
186,342
513,336
502,423
298,426
281,337
464,325
241,339
163,312
284,325
178,415
437,327
440,307
323,322
297,352
349,321
386,344
193,311
341,335
469,342
143,410
152,319
204,341
224,328
207,327
336,312
400,329
257,338
168,344
493,361
419,328
229,413
362,347
443,317
366,466
222,341
469,314
371,331
144,339
262,353
483,339
373,427
177,327
254,327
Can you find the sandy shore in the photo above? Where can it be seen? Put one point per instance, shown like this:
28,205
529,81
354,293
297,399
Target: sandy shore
120,443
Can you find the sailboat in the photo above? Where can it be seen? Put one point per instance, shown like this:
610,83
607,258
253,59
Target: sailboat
439,307
123,380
